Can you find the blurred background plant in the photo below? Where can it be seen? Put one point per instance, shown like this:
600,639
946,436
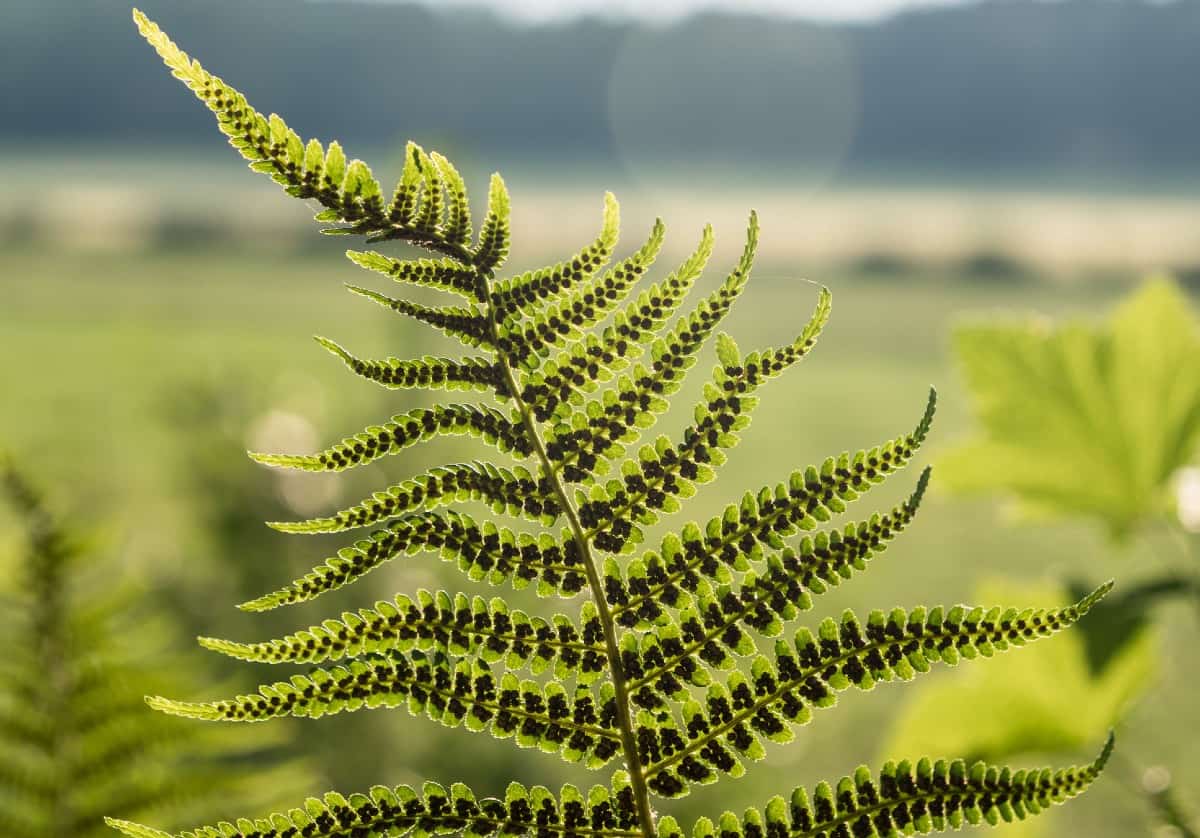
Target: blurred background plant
155,297
1096,421
76,742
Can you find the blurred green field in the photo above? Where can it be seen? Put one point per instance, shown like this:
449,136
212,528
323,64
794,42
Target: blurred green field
99,347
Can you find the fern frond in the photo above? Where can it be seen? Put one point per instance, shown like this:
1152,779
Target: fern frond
653,481
581,443
602,812
464,691
427,373
733,540
591,361
582,369
522,293
348,190
442,274
429,206
456,624
792,577
465,325
484,552
713,624
404,431
73,744
904,799
808,673
509,491
529,343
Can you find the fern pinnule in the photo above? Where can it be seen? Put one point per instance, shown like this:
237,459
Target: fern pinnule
661,671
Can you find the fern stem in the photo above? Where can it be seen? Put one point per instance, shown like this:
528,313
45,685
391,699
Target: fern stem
633,763
424,240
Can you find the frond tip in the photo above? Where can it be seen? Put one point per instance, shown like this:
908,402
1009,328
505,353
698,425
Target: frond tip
905,799
806,675
135,830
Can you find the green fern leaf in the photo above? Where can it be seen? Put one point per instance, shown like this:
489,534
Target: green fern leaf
430,212
495,235
765,599
904,799
435,810
456,625
580,368
529,344
712,624
593,360
515,492
1051,699
518,295
427,373
135,830
465,325
454,692
407,193
483,552
457,228
584,441
732,541
652,482
808,673
405,430
442,274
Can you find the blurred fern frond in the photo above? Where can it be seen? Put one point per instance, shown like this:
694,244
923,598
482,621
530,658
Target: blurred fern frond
74,742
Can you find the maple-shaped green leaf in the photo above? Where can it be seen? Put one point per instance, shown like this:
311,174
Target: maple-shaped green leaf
1081,419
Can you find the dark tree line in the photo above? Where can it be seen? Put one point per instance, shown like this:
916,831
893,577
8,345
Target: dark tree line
1080,85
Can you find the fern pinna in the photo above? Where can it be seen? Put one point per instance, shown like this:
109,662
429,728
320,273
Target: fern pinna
658,670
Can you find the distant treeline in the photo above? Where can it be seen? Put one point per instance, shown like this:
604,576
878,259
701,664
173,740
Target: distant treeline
1075,87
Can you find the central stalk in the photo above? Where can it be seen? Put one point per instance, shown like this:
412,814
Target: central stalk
633,763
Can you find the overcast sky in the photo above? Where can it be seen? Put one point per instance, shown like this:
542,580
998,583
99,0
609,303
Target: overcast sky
665,10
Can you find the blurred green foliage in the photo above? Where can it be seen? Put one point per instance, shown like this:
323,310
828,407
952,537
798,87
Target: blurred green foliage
1081,419
1094,422
76,741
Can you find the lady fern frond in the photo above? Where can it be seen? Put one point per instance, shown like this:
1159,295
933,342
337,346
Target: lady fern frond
658,669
